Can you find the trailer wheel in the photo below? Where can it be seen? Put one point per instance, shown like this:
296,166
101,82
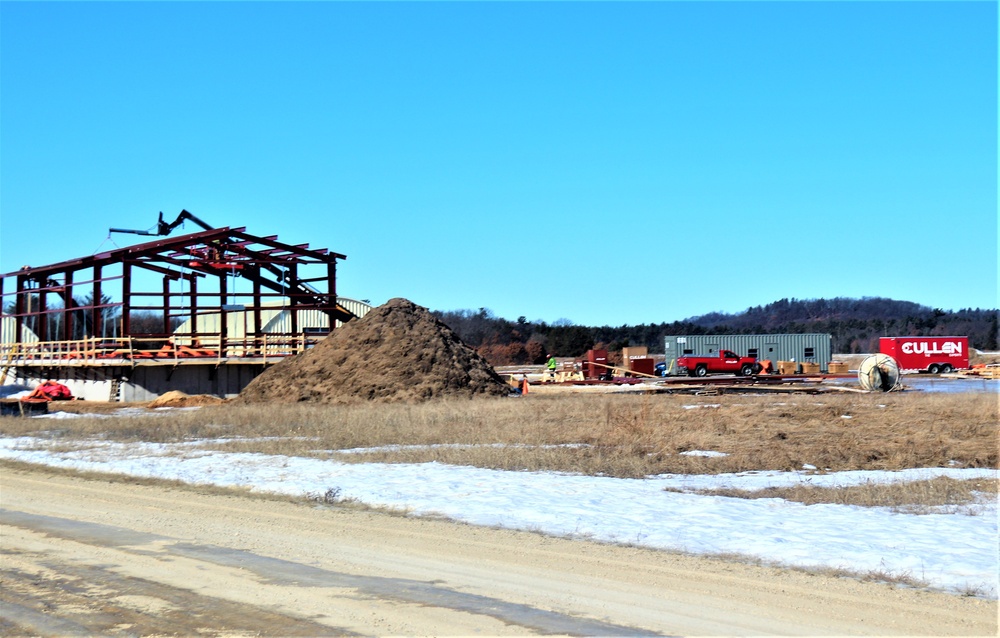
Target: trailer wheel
946,368
701,370
746,370
933,368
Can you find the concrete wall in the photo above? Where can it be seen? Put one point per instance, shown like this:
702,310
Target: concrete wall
90,383
227,381
142,383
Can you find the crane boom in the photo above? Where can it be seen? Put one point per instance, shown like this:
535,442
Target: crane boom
162,227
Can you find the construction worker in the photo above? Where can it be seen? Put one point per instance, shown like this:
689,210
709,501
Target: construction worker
552,363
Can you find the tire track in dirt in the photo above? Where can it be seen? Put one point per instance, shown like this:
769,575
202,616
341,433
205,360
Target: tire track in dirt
47,597
249,550
275,571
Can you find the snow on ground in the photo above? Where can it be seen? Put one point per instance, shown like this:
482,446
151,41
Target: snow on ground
950,551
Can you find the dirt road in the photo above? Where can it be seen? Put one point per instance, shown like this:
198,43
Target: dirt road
84,557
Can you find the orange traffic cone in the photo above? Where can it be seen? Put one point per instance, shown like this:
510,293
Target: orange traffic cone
524,386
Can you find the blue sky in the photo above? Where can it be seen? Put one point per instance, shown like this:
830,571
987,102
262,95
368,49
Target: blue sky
606,163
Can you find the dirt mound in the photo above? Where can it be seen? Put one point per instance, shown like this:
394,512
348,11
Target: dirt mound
398,352
178,399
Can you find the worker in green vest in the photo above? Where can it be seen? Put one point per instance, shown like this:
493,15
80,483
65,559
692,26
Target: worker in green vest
552,364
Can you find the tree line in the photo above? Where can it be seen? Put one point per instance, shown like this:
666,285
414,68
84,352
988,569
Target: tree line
855,325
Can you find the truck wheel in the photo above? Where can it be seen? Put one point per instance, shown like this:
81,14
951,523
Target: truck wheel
946,368
746,370
701,371
933,368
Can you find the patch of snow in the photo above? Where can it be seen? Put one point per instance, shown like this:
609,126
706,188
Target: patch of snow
60,415
117,413
951,551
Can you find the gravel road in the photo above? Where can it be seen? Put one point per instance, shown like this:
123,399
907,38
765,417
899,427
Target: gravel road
83,557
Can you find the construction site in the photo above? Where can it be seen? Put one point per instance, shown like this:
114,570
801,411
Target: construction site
212,312
200,313
329,398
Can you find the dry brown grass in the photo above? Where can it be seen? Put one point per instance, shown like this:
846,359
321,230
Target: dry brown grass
915,497
615,435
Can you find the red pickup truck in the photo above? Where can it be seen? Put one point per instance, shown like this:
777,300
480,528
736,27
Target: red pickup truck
726,361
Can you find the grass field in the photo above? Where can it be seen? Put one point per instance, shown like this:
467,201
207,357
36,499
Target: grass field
624,436
612,435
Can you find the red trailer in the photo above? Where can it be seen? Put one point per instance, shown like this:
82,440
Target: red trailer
930,354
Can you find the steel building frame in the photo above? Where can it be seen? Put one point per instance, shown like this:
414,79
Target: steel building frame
202,265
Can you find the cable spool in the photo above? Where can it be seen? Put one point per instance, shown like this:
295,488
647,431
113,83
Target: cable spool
879,373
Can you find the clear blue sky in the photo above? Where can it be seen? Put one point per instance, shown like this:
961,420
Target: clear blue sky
605,163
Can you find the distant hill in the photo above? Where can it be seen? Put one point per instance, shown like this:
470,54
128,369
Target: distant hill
855,324
786,311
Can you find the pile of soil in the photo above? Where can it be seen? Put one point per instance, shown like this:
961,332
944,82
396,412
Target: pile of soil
398,352
178,399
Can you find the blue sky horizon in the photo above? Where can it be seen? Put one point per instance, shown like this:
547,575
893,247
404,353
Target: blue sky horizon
605,163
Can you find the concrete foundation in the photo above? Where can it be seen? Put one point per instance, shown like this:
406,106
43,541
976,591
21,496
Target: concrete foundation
141,383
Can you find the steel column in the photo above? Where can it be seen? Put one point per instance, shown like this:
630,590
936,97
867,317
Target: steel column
97,313
67,304
126,299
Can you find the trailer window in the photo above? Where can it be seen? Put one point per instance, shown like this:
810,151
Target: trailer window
810,353
688,351
752,352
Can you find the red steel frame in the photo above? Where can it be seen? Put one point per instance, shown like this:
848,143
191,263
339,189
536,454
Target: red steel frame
274,269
